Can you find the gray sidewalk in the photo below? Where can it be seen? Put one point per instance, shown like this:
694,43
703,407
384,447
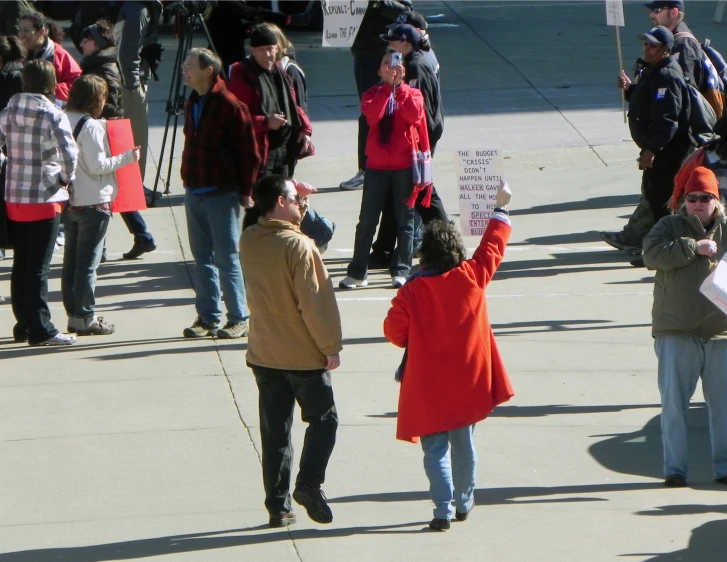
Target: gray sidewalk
146,445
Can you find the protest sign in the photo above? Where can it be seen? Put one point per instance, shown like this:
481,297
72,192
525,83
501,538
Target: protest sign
131,189
341,20
615,17
478,177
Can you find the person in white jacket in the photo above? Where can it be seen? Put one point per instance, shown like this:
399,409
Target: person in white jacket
87,216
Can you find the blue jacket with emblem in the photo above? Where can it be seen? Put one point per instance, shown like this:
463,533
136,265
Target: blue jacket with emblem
659,106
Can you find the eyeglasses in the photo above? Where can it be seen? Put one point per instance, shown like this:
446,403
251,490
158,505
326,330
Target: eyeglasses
657,10
299,199
691,198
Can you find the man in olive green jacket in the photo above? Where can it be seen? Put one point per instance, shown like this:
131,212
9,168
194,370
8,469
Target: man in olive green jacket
293,345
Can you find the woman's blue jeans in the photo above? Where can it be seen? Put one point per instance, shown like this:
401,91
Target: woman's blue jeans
451,476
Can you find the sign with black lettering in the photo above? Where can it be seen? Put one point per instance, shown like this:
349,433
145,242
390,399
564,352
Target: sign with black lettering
478,177
341,20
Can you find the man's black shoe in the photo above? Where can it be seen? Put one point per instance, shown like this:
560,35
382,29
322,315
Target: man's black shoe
675,481
638,262
140,248
314,502
282,519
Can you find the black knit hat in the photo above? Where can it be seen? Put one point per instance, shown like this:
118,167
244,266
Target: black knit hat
262,37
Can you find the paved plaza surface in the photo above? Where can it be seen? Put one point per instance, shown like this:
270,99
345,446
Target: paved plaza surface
146,445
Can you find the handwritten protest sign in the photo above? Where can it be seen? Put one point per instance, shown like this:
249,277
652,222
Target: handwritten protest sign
478,176
341,20
615,12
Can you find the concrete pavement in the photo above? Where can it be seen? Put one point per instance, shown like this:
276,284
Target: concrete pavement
145,445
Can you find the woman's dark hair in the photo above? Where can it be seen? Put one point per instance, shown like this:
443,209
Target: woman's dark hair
442,247
88,95
424,44
39,21
105,29
39,77
11,49
265,194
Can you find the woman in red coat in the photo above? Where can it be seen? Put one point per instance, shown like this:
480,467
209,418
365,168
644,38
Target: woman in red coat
453,376
41,38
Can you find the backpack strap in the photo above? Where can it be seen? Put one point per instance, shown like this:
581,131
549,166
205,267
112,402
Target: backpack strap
686,35
79,126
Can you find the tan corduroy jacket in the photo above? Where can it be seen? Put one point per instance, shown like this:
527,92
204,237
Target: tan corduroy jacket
294,318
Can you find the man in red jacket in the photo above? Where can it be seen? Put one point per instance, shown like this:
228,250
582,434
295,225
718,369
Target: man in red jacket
453,375
220,164
281,126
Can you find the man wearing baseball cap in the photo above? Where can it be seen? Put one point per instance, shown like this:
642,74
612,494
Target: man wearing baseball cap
659,125
693,60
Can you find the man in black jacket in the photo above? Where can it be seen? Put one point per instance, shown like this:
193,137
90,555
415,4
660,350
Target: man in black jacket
367,50
659,123
691,57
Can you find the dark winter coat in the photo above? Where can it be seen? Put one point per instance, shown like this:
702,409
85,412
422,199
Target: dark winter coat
379,15
423,75
659,106
11,82
103,63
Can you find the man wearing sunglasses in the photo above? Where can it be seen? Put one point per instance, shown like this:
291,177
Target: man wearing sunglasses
659,125
690,56
294,342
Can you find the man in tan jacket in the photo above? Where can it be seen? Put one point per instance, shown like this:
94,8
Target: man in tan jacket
293,345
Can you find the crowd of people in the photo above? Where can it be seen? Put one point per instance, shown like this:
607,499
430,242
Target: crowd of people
257,243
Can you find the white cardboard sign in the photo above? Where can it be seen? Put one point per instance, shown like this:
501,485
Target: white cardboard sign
478,177
714,286
341,20
615,12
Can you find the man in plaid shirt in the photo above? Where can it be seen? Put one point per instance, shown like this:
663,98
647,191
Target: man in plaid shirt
220,164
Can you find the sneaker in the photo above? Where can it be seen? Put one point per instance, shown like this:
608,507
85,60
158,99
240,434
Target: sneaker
616,240
314,501
97,327
58,339
675,481
356,182
61,240
282,519
439,524
140,248
351,283
104,256
200,329
233,331
462,516
397,282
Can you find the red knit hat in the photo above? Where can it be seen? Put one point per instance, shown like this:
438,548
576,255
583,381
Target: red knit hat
702,179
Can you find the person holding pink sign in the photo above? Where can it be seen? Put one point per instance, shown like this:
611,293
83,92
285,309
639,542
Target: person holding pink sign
88,214
690,333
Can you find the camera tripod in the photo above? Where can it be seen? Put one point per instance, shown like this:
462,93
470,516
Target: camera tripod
177,90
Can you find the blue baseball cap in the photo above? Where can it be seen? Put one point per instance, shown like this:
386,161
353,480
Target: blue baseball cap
658,35
666,4
403,32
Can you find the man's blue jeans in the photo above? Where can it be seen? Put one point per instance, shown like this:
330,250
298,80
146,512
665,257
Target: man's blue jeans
451,479
213,225
85,233
683,360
